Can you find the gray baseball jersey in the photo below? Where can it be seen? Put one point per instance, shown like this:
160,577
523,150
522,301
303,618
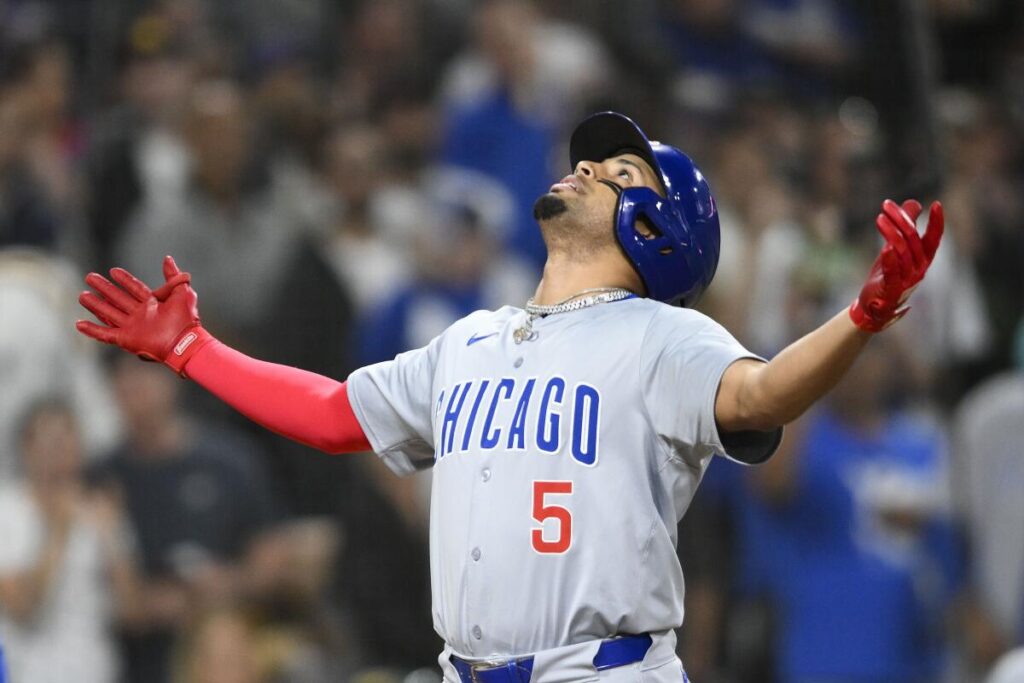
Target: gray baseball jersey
561,466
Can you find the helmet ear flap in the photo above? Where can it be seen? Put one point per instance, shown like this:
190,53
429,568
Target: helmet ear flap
644,251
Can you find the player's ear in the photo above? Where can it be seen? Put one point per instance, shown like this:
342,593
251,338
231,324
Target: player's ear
646,228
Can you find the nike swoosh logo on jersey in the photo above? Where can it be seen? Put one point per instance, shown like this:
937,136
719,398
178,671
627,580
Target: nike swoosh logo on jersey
474,339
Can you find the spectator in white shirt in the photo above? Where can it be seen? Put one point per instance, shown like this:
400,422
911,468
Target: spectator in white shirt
65,560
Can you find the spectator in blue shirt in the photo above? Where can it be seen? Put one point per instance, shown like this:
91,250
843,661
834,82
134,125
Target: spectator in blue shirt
492,137
459,268
847,535
523,77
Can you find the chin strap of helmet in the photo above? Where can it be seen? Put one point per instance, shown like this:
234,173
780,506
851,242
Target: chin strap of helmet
615,188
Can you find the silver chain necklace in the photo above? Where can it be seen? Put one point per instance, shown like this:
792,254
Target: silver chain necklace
579,300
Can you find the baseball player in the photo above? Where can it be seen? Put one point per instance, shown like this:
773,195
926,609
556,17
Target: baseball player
566,438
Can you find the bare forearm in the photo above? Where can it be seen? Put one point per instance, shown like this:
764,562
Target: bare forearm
760,396
126,587
163,603
21,594
783,389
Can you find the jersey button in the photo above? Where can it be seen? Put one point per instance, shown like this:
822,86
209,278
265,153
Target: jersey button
475,554
485,474
517,362
477,633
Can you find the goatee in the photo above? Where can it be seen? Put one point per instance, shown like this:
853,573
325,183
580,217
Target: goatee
548,206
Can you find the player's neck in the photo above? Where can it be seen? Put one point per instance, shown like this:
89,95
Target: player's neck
564,278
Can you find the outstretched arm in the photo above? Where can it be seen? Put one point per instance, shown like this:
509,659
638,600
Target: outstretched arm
303,406
755,395
164,326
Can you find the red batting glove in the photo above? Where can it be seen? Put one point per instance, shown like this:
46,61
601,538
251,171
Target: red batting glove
901,265
161,325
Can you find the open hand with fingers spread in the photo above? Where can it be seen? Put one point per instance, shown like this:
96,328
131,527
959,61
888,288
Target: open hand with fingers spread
159,325
900,266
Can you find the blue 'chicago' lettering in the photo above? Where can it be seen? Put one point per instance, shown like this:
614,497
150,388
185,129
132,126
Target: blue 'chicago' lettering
517,433
538,413
585,425
472,415
550,417
450,415
490,439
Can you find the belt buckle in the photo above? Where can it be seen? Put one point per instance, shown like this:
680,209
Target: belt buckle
486,665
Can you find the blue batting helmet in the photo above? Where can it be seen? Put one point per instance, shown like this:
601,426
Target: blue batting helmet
678,263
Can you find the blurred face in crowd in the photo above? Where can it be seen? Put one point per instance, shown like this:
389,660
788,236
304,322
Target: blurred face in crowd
354,159
287,100
456,251
741,165
863,391
49,83
576,214
217,130
158,85
707,15
145,393
384,32
12,127
411,129
51,447
504,30
982,148
830,162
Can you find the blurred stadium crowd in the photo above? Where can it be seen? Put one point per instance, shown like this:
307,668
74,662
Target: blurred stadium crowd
344,179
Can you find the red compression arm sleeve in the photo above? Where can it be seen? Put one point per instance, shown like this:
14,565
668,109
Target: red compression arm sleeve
303,406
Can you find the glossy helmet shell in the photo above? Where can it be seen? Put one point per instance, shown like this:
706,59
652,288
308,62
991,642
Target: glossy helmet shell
677,265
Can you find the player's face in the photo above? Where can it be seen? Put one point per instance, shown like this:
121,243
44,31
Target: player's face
585,198
624,170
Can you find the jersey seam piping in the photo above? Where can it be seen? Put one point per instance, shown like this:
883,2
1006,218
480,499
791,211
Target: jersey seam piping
670,455
360,411
644,554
